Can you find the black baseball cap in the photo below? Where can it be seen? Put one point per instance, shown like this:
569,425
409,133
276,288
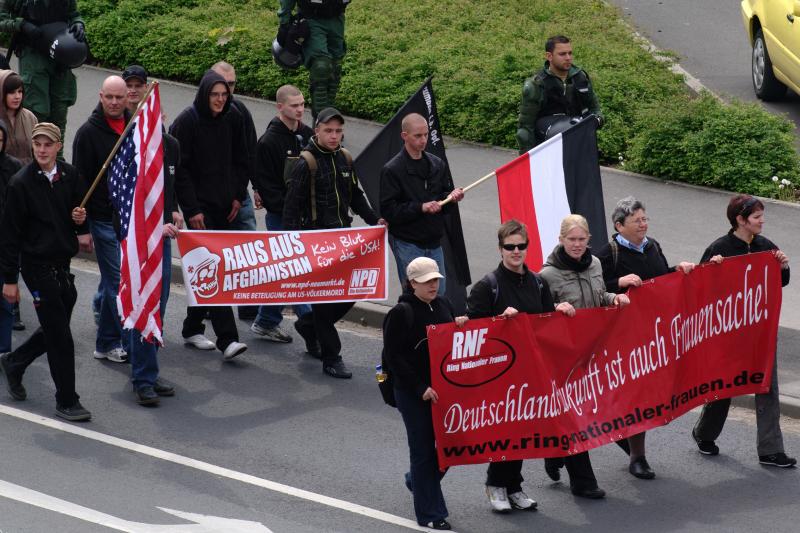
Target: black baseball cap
327,114
135,71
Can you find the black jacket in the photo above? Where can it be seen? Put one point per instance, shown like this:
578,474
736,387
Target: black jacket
274,147
249,136
9,165
730,246
406,349
336,191
93,141
37,221
647,265
404,190
214,168
520,291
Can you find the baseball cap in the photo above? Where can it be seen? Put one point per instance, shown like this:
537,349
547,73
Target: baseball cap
423,269
47,129
135,71
327,114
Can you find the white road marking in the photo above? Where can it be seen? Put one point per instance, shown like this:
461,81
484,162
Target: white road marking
211,469
202,523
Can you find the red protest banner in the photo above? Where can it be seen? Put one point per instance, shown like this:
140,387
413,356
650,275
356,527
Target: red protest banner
266,267
549,385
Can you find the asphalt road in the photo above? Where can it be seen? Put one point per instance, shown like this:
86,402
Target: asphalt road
710,41
240,440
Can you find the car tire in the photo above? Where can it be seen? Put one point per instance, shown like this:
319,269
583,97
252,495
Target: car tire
765,84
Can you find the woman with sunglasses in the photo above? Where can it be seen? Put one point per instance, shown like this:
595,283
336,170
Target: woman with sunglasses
576,282
510,289
628,259
746,216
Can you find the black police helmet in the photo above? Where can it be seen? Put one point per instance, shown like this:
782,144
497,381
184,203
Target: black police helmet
284,58
61,46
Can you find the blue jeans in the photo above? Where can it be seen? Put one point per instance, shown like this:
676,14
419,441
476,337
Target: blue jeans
142,355
269,316
405,252
106,248
425,475
246,218
6,321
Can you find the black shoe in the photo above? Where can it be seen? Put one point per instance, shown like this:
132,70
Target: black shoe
553,468
592,494
13,383
163,387
146,396
310,338
706,447
777,459
74,413
438,524
18,324
639,468
337,370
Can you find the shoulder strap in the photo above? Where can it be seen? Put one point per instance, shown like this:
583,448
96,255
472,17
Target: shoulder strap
349,158
347,155
614,251
491,279
311,161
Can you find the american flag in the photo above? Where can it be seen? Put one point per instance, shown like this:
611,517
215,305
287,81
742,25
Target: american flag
136,188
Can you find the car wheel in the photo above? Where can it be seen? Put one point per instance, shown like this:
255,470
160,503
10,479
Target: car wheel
765,84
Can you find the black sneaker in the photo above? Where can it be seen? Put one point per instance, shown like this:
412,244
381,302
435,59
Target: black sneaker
438,524
163,387
706,447
777,459
146,396
310,338
13,383
337,370
74,413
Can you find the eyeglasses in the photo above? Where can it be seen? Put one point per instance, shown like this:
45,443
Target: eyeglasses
511,247
640,221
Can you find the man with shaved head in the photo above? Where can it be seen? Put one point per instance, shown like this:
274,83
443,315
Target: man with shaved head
93,142
412,184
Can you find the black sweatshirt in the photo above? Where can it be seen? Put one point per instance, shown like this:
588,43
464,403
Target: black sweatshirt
406,349
274,147
730,246
520,291
647,265
37,221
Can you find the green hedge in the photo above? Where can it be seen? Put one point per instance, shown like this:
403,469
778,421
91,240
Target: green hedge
479,52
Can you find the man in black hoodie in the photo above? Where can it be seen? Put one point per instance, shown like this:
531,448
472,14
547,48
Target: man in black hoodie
211,186
93,143
9,166
322,200
277,149
39,234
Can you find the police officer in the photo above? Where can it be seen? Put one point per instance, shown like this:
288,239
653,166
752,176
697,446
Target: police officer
324,49
558,89
50,87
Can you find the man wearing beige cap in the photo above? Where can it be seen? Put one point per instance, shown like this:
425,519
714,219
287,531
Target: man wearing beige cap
41,233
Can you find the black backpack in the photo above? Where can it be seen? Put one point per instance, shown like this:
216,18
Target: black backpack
387,386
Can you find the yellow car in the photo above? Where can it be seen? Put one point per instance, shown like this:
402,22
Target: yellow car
773,27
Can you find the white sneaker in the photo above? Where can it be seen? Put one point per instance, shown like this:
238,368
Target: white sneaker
520,500
115,355
498,499
200,342
234,349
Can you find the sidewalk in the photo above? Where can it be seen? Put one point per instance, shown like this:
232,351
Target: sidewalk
684,219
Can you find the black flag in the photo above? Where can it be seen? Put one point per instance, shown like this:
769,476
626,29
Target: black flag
386,145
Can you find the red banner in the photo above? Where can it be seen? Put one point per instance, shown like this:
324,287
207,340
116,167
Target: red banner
548,385
276,267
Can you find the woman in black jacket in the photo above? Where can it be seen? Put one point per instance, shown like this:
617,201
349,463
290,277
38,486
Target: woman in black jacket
746,216
406,351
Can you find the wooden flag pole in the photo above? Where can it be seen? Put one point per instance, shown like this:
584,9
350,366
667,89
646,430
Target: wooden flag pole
470,186
119,142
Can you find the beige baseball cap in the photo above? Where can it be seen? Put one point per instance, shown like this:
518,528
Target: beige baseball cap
423,269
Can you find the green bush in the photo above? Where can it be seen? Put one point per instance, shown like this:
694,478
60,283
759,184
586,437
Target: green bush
729,146
479,52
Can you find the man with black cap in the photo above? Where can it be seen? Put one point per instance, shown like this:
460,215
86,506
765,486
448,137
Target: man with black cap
322,189
41,233
135,77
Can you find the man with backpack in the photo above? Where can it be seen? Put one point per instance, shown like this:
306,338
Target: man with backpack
321,190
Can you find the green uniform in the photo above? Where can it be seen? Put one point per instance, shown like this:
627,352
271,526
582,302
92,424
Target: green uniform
324,50
50,88
546,94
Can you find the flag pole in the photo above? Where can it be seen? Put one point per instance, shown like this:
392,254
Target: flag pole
128,127
470,186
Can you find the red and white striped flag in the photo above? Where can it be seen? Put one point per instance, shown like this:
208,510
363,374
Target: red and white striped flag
136,187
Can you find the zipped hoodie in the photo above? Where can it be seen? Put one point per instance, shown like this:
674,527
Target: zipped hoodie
274,148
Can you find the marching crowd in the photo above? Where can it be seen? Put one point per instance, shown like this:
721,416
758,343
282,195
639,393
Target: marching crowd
305,180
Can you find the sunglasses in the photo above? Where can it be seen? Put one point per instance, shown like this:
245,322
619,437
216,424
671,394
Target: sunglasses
511,247
747,206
